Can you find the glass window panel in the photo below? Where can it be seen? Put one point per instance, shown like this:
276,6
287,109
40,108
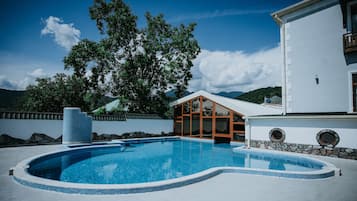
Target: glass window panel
186,125
354,92
238,137
207,107
222,125
178,110
354,78
221,111
196,105
195,125
186,108
207,128
238,127
177,129
354,18
237,118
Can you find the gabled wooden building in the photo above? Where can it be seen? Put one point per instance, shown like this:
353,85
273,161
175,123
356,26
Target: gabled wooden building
204,115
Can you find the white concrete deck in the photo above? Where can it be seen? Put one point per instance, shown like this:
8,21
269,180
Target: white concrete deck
230,186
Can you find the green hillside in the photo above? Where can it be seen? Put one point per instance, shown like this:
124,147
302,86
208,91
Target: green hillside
257,96
10,100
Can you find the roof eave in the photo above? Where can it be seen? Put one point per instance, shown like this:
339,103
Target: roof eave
290,9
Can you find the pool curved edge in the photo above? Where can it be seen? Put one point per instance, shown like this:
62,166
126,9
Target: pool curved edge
22,176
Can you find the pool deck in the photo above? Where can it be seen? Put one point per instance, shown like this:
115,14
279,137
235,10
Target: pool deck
228,186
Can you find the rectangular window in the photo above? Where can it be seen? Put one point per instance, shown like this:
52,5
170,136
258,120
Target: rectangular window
354,18
196,125
178,111
207,107
238,136
196,105
207,127
221,111
186,108
178,126
186,126
222,125
238,127
354,91
237,118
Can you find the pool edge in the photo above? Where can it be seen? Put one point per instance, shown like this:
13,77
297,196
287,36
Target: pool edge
23,177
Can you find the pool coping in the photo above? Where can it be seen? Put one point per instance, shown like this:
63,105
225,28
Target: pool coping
21,175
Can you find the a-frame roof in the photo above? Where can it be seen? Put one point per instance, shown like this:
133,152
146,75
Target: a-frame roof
242,107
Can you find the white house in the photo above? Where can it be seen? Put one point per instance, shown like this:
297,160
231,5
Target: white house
319,78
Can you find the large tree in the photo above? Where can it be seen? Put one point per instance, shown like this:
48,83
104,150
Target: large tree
136,64
52,94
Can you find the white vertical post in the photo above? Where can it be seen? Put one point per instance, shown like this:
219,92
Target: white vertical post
283,51
247,131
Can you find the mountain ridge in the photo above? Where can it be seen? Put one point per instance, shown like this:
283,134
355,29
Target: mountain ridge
10,100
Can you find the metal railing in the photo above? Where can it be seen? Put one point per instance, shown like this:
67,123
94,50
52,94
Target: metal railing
142,116
31,115
112,117
57,116
350,42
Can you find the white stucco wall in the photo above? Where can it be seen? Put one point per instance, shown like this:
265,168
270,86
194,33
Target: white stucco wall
314,48
131,125
303,131
24,128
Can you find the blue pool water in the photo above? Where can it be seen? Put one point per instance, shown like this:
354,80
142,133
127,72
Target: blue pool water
155,161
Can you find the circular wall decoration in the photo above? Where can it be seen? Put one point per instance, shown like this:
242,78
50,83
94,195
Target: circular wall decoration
277,135
327,137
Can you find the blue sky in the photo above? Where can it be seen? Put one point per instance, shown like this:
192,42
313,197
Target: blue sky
238,38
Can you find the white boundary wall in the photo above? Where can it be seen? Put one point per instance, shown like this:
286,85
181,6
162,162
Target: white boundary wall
303,131
24,128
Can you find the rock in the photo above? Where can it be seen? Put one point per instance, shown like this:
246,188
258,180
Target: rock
316,152
329,152
348,150
40,138
114,136
94,136
8,140
284,146
323,152
316,147
293,147
343,154
336,151
309,147
59,139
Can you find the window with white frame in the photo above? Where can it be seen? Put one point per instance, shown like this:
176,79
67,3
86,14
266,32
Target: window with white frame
352,17
354,92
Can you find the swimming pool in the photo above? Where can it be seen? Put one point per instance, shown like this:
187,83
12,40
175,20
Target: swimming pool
140,167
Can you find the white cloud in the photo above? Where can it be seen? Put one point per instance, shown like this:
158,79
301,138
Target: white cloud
65,35
7,84
21,84
218,13
18,71
39,72
216,71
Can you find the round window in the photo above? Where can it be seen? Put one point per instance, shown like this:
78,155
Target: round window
277,135
327,137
